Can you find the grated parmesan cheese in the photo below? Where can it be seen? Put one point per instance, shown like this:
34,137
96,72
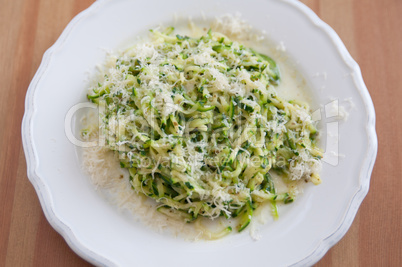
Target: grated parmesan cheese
160,75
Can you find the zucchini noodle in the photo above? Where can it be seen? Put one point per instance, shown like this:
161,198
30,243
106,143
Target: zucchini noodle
199,126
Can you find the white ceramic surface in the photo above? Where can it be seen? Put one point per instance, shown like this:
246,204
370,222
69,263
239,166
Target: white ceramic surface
96,231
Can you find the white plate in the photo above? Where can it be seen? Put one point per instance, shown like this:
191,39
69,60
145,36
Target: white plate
100,234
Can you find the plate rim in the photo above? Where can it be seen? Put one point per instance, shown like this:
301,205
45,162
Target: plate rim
91,256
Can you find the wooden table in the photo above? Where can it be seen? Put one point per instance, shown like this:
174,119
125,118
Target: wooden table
370,29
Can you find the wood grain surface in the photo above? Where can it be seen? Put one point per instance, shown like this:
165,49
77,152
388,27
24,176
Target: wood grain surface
370,29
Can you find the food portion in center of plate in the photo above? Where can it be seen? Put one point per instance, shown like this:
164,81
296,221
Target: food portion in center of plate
199,127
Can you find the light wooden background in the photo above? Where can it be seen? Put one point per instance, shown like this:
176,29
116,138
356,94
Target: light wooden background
370,29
